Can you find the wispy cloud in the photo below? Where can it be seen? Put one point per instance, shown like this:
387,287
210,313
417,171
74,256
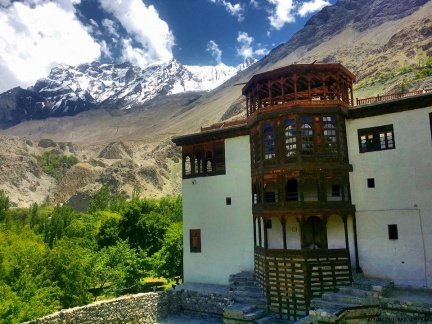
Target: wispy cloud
233,9
246,49
215,51
312,6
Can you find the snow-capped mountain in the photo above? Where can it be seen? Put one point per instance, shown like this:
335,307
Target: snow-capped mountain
68,90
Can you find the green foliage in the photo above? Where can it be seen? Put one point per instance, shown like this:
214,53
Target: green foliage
56,165
168,261
4,205
119,267
54,257
61,218
105,201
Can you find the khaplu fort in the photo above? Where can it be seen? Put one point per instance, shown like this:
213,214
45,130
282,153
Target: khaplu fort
316,204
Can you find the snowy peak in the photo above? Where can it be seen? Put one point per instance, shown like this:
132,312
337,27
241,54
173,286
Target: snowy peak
68,90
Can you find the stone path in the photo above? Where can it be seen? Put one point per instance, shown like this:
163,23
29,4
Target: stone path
190,319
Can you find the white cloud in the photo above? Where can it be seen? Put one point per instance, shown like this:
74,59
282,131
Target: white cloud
234,10
215,51
38,35
283,13
246,49
143,26
312,6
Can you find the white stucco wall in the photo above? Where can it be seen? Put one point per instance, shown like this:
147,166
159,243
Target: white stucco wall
402,196
227,245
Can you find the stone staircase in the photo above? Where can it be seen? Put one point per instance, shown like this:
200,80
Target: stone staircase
359,301
249,302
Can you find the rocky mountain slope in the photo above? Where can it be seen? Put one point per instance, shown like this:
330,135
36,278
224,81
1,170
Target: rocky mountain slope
384,42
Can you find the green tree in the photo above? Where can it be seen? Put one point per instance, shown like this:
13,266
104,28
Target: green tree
56,165
101,201
168,261
60,218
117,268
4,205
71,266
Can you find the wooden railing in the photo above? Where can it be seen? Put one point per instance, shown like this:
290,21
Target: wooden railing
379,98
291,278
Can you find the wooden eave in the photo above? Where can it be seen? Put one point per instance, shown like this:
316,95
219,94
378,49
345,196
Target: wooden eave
299,69
211,135
391,106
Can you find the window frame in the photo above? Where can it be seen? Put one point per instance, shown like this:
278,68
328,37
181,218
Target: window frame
195,248
370,139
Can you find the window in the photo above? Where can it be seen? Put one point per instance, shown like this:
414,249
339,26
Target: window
292,190
393,232
290,137
376,138
269,141
330,136
307,137
336,190
198,162
228,200
371,183
195,240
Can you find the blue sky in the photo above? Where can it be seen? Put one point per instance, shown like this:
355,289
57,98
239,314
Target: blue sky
37,35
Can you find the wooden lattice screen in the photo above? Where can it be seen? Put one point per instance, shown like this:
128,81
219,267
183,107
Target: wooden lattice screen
291,278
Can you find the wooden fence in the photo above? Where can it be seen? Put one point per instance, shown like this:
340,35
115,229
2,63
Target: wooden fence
291,278
379,98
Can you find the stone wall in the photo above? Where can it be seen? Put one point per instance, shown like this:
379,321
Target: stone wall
141,308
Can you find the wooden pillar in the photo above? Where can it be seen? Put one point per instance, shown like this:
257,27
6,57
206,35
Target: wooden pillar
254,229
259,232
324,221
352,95
309,87
269,85
358,268
323,78
265,234
283,222
345,221
295,78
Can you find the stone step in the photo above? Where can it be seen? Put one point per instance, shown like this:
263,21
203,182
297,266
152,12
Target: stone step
304,320
255,314
250,300
381,286
248,293
358,292
348,299
323,315
271,318
247,287
326,304
237,310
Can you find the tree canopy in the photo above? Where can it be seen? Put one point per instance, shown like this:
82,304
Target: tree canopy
54,257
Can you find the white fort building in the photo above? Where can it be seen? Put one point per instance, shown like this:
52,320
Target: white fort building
311,180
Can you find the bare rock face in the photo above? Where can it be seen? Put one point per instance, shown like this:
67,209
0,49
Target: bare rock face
21,177
78,177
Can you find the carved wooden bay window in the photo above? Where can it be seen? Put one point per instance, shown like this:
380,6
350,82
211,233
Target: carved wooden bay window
203,160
